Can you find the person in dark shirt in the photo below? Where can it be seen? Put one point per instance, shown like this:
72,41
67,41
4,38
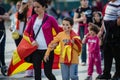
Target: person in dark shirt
83,24
3,17
112,40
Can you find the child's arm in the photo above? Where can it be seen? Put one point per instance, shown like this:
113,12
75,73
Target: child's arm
77,46
50,48
85,37
84,40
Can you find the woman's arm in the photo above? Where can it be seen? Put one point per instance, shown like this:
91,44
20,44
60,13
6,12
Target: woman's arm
76,19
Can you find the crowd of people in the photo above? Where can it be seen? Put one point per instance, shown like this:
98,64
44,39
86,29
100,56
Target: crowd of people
97,37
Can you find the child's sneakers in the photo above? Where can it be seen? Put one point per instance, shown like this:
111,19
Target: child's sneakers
88,78
4,70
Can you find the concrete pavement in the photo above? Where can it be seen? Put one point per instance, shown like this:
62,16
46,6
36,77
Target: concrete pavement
10,46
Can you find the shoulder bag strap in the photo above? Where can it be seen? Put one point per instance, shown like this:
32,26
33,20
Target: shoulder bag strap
41,26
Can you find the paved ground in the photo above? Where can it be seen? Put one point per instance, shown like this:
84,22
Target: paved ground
10,46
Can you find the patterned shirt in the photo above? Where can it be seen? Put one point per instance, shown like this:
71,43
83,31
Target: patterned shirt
112,11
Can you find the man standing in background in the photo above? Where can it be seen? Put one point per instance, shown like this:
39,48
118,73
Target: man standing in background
112,40
83,21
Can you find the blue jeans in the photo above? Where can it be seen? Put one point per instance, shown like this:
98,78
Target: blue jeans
69,71
83,55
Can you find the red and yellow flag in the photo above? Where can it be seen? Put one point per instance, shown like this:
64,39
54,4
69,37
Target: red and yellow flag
24,49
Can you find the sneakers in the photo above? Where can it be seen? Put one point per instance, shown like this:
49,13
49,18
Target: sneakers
88,78
83,64
4,70
103,77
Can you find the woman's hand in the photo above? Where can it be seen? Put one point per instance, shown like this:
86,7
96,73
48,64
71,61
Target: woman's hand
34,43
10,29
46,58
23,7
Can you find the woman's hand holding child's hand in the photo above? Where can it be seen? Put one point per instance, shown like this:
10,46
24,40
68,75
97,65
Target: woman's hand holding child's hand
46,58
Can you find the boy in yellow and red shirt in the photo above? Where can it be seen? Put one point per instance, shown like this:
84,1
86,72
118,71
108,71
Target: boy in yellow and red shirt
70,45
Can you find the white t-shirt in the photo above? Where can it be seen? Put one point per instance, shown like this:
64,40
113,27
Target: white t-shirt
40,37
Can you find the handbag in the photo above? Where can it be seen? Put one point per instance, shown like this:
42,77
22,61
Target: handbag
15,35
29,57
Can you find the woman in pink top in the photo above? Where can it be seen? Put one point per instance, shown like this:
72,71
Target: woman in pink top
93,51
44,37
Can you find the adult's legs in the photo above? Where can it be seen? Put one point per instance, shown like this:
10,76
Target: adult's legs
2,54
48,67
108,58
117,62
2,50
83,55
37,57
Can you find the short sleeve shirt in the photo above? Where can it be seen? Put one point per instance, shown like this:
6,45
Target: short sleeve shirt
88,12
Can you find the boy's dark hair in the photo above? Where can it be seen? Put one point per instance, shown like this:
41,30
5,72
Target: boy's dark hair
42,2
94,28
69,19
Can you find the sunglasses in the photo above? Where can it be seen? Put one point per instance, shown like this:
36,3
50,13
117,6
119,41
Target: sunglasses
23,3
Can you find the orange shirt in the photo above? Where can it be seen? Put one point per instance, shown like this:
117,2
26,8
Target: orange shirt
76,47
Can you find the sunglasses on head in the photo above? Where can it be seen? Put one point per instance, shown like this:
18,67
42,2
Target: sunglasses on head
23,3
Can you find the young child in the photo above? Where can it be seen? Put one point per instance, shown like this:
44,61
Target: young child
70,50
94,57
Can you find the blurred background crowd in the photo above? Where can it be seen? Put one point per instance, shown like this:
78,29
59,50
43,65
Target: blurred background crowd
59,8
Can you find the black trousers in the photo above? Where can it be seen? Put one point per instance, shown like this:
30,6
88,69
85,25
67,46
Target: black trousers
37,58
111,48
2,49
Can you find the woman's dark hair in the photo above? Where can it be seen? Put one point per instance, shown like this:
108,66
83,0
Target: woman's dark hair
69,19
42,2
99,13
